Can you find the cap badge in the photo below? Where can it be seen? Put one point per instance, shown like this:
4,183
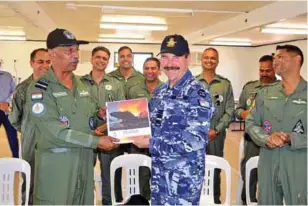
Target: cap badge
68,35
171,42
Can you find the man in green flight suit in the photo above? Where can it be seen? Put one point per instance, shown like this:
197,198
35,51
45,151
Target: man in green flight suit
19,116
151,71
126,73
246,103
278,124
223,99
128,77
104,88
61,107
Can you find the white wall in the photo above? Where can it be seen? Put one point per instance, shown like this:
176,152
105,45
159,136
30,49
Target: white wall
238,64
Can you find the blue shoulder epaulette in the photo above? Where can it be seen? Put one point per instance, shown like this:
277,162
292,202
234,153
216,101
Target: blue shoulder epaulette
42,84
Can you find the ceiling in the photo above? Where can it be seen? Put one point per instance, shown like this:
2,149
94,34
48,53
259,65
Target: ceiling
40,17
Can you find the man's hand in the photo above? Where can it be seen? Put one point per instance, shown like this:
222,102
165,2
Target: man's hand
277,139
142,141
244,114
107,143
102,112
4,106
211,134
101,130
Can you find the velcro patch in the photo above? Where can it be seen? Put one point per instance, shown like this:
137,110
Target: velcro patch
299,127
37,96
41,84
204,103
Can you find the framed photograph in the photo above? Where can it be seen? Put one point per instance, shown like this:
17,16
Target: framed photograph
127,119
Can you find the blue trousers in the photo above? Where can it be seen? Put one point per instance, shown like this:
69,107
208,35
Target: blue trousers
11,133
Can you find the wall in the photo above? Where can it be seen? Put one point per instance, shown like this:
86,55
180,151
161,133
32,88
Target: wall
238,64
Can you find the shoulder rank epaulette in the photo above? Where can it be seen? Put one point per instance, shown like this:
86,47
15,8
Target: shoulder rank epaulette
42,84
224,78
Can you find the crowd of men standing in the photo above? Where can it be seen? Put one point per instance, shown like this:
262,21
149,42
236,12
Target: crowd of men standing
63,126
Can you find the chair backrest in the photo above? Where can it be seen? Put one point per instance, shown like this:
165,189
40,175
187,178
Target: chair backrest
251,164
207,193
8,168
240,179
131,163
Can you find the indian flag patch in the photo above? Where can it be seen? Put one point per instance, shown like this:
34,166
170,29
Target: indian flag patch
36,96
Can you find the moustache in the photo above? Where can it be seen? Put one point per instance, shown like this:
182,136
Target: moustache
75,61
171,68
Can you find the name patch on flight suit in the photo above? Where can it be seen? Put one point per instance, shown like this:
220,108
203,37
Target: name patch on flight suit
267,126
59,94
299,127
64,120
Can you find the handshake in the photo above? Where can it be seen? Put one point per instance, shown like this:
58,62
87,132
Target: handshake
106,142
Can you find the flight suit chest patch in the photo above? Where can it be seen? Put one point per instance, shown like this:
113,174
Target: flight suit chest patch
37,96
218,99
299,101
84,93
59,94
108,87
38,109
251,99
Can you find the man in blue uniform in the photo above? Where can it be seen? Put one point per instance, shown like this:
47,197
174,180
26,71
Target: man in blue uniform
180,113
7,87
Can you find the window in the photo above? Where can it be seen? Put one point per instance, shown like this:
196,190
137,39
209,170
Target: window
139,58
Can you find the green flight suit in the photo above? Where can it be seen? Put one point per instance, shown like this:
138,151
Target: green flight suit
282,172
223,99
134,79
20,120
141,91
109,89
64,141
246,102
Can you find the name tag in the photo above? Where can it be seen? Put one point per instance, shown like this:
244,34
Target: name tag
59,94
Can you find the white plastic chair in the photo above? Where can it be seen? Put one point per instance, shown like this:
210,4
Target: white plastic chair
8,168
251,164
207,193
131,163
240,179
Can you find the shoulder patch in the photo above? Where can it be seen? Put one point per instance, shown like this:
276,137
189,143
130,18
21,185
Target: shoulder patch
224,78
42,84
250,82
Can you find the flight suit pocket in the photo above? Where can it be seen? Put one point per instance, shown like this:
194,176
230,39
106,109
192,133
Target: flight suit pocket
273,108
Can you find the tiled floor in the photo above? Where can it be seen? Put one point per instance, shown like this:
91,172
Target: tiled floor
231,154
